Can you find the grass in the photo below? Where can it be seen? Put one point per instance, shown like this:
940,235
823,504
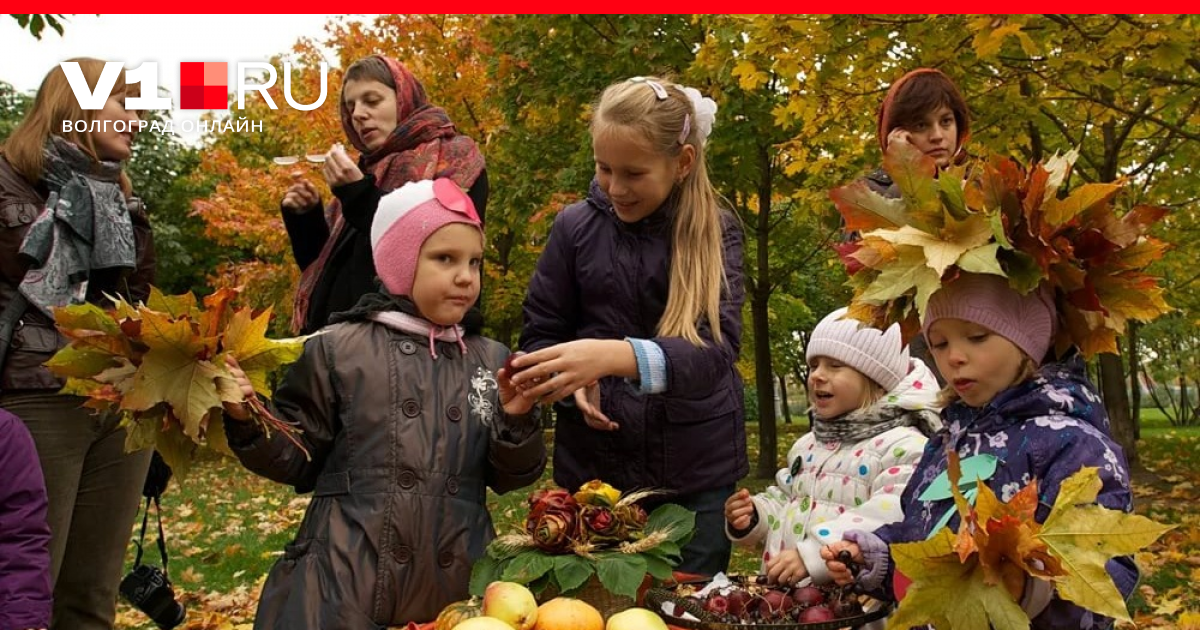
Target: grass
226,527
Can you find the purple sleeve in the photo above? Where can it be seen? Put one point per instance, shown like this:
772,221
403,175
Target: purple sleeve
25,590
692,370
1087,447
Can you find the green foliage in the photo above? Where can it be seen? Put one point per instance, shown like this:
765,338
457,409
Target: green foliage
620,572
12,109
37,22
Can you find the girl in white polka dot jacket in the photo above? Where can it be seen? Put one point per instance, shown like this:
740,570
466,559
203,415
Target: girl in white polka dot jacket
873,408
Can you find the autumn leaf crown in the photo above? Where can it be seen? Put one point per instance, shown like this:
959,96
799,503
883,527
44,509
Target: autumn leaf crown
994,216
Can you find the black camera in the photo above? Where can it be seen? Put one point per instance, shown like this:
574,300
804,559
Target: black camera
149,590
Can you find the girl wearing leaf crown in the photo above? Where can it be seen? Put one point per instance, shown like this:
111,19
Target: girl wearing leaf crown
873,408
633,317
1015,418
71,230
406,416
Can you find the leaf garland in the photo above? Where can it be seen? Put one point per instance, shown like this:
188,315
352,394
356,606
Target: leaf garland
996,217
161,365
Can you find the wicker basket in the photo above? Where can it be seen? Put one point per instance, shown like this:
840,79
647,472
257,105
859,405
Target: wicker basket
594,593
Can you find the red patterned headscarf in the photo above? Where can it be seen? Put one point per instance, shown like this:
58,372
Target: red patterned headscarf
424,145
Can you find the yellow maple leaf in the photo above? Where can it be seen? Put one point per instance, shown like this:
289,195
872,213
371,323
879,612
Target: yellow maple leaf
245,339
1084,536
171,372
948,593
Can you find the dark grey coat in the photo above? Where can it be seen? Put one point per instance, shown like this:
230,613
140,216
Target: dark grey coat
403,446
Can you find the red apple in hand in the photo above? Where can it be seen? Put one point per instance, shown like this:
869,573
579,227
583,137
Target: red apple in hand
511,369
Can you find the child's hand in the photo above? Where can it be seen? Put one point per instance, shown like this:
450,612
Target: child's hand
510,397
238,411
840,572
739,510
588,402
787,568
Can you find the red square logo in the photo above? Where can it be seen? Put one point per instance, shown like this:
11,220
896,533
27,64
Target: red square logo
203,85
191,97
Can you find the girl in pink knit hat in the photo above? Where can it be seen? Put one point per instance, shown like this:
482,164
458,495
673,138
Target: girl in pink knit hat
873,408
407,417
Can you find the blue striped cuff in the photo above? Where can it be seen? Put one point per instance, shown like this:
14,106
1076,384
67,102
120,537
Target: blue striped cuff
651,364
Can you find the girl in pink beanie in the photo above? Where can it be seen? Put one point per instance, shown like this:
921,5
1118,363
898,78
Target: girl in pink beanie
407,417
873,408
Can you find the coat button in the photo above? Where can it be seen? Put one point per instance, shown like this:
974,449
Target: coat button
454,413
408,346
452,485
445,559
403,554
411,408
407,479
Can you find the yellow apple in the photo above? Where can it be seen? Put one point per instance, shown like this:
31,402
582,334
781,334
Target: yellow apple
511,603
636,619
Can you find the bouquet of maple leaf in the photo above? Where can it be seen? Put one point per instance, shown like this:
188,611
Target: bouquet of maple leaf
975,577
161,365
997,217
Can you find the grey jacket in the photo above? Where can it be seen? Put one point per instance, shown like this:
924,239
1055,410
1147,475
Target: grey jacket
403,446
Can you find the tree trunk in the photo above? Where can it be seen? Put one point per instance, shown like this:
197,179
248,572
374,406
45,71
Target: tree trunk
1135,389
767,436
1116,401
783,399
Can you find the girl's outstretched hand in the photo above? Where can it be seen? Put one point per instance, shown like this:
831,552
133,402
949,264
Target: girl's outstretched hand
837,569
739,510
554,373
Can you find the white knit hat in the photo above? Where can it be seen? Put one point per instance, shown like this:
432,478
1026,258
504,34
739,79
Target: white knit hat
880,355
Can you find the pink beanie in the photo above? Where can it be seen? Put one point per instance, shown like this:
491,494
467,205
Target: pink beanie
879,355
405,218
1026,320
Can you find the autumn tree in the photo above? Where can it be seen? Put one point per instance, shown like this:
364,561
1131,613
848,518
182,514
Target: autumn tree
1122,89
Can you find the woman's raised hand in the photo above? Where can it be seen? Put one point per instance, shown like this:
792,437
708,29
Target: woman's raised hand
339,169
301,196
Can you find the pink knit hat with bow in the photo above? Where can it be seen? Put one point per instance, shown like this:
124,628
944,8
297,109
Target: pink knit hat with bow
1029,321
405,218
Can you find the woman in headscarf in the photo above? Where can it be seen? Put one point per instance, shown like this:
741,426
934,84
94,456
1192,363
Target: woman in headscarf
402,138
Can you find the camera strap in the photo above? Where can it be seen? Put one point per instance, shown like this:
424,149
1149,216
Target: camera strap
162,545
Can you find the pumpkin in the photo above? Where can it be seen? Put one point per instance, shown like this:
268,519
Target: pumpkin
457,613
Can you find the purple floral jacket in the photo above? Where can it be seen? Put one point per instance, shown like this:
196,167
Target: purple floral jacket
1047,428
